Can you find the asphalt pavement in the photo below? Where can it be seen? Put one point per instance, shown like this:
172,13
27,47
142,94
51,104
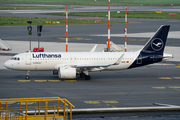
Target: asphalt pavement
139,87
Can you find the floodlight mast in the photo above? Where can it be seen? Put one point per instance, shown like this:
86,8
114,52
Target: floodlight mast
125,45
39,30
108,49
29,28
66,28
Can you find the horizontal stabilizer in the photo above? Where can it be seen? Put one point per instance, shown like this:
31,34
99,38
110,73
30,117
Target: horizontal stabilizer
94,48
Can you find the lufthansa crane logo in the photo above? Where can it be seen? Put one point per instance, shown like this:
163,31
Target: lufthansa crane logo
157,44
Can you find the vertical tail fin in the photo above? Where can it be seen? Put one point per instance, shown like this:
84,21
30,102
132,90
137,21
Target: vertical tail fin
157,43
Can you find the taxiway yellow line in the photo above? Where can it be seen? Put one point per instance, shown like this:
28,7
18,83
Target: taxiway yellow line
142,40
159,87
40,80
174,87
70,80
92,102
178,65
47,80
177,89
24,80
166,78
110,101
54,80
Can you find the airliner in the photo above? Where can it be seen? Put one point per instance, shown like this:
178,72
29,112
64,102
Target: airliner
68,65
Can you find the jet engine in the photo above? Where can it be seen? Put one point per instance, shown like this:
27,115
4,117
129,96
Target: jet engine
67,72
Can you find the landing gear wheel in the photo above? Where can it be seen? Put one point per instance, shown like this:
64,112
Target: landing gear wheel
27,77
87,77
82,75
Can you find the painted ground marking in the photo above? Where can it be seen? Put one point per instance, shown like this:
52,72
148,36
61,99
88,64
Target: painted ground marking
174,87
110,101
70,80
28,103
24,80
178,65
166,78
159,87
92,102
54,80
142,40
40,80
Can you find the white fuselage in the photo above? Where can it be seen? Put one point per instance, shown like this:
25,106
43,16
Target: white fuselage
54,60
70,64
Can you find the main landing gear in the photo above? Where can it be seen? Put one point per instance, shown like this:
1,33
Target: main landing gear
82,75
27,75
86,76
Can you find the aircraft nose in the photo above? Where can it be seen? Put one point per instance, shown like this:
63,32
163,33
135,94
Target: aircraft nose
7,64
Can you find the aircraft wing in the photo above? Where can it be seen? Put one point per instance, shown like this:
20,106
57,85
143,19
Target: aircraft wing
91,66
101,66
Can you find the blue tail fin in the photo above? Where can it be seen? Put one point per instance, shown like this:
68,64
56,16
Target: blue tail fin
152,52
157,43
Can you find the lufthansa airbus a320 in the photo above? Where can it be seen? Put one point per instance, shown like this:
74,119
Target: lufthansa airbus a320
68,65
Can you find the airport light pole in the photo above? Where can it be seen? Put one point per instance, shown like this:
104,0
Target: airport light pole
39,30
125,46
66,28
29,28
108,49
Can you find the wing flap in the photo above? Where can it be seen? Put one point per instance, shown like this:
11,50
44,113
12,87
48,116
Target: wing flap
92,66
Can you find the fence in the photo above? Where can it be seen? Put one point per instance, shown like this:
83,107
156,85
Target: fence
34,108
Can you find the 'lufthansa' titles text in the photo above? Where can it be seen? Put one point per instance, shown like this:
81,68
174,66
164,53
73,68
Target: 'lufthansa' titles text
46,55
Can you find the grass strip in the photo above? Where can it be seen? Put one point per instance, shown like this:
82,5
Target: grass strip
22,21
131,14
100,2
19,7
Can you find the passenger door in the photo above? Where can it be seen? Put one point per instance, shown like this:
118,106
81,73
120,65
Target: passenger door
28,59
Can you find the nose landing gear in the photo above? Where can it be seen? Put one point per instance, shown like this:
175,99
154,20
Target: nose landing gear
27,75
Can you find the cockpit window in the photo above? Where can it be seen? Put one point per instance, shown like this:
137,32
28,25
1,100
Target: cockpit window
15,58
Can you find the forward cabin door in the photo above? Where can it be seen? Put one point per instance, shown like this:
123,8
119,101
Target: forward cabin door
28,59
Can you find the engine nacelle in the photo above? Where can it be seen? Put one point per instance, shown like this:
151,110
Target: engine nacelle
67,72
